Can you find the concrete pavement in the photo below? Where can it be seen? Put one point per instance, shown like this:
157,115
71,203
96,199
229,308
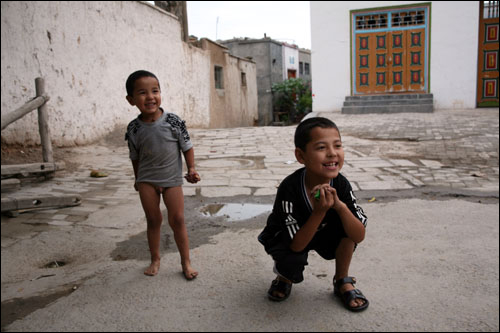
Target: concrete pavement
423,248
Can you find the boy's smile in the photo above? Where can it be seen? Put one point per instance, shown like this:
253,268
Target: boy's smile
147,98
324,155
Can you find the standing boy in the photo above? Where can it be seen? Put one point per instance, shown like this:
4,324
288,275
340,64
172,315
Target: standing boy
155,139
315,209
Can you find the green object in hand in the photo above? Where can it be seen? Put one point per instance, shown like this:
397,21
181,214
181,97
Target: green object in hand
316,196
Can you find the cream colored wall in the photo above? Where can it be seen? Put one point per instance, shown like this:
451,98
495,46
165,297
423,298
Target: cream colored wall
241,103
235,105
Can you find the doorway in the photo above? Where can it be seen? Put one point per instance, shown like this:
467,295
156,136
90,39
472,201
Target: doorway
390,50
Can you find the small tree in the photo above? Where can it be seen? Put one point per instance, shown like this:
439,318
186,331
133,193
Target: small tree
294,97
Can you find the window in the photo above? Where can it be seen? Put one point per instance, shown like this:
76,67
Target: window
394,19
407,18
243,79
301,68
490,9
306,69
219,83
366,22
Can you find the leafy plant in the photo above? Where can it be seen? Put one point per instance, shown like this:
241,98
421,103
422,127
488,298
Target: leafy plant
293,97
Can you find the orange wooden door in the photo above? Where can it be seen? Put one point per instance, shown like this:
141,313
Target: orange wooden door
398,62
415,58
371,69
391,62
487,78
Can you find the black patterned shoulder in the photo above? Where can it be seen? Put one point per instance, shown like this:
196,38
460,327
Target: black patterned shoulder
176,122
132,128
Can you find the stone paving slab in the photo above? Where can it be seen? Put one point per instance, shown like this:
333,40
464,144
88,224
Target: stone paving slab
383,152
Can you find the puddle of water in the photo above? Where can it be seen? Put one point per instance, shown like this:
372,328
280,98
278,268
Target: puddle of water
236,212
18,308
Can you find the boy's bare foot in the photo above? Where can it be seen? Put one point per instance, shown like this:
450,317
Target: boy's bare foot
189,272
153,269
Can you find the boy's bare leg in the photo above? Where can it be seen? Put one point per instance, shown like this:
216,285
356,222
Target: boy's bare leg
343,257
150,200
174,200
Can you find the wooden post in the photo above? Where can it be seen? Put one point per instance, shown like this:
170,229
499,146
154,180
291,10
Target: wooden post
43,123
185,33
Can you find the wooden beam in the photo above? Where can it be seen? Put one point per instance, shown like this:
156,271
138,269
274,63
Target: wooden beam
13,204
24,169
10,184
31,105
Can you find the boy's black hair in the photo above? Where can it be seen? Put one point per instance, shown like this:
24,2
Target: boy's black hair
136,76
303,131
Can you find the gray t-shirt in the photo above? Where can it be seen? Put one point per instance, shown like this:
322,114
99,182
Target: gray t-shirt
157,146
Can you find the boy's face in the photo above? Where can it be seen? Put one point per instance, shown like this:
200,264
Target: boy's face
146,95
324,155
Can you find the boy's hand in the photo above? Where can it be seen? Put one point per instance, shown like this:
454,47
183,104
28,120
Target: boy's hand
325,198
192,176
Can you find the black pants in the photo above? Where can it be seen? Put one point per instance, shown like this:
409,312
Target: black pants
290,264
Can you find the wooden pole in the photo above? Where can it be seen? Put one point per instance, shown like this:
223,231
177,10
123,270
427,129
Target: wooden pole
11,117
43,123
185,33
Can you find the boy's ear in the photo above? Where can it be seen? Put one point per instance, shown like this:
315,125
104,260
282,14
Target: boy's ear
130,100
299,155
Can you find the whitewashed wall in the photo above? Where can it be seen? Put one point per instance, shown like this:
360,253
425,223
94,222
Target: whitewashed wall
290,60
453,52
85,51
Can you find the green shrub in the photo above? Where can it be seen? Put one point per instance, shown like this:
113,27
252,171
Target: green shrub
294,97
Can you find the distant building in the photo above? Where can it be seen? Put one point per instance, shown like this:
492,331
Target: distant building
233,92
276,61
305,64
290,61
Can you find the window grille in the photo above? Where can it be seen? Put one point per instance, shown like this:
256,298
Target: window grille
490,9
408,18
396,19
368,22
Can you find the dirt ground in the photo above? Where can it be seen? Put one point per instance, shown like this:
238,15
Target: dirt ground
18,154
